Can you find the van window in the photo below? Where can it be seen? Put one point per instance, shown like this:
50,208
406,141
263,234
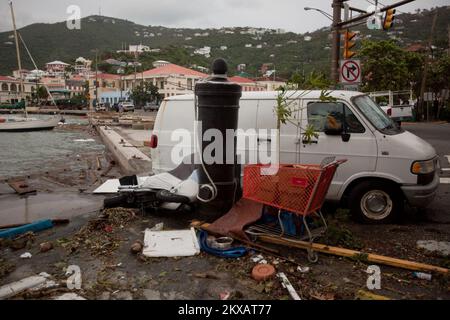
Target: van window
319,113
376,115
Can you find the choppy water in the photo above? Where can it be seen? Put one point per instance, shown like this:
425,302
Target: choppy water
29,152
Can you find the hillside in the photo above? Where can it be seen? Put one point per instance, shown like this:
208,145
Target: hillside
288,51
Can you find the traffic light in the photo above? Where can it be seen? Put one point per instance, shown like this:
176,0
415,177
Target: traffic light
388,19
348,44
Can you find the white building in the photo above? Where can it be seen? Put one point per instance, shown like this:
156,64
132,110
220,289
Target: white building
160,63
205,51
56,68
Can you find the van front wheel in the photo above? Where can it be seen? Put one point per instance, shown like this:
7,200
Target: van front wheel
375,202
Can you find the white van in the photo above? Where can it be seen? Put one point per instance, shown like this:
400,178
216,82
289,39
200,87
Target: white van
386,164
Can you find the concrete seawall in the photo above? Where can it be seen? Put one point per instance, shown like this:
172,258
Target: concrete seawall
130,158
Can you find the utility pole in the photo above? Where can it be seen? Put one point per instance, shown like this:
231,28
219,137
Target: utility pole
335,46
425,71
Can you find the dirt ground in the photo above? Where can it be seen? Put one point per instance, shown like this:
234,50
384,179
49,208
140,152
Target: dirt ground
99,242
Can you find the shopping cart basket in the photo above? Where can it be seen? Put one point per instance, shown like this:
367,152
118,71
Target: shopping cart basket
298,188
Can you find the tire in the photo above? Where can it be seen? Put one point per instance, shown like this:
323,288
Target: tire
114,202
376,202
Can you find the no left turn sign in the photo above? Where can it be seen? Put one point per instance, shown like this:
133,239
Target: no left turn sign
350,71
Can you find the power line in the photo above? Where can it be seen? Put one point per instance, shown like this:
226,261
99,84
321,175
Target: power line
373,3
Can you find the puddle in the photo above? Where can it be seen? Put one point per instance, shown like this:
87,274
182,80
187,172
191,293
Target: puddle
15,209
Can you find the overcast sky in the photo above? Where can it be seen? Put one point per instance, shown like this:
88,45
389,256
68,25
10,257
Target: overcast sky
285,14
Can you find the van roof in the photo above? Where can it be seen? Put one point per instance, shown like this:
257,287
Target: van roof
305,94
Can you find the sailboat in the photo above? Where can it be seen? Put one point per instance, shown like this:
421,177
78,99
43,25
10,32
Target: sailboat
25,123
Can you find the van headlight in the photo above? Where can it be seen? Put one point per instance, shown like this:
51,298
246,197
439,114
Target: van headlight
423,167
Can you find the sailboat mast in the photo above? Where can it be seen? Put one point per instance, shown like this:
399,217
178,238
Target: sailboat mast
19,63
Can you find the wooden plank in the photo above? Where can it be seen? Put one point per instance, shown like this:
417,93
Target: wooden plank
21,187
394,262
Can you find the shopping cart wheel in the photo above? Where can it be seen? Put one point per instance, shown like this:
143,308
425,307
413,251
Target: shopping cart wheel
312,256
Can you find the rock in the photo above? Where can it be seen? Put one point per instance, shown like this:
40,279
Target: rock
136,247
46,246
150,294
440,247
18,244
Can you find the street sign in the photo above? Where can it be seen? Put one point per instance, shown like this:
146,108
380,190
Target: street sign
374,21
350,71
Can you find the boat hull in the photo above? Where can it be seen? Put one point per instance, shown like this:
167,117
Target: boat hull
32,125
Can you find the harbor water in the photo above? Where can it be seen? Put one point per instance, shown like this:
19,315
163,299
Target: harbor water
23,153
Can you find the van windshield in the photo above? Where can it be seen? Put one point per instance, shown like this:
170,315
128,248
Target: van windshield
376,115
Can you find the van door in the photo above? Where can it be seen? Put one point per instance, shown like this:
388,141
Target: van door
246,147
266,120
360,150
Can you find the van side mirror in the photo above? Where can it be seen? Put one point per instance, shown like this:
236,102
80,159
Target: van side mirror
345,136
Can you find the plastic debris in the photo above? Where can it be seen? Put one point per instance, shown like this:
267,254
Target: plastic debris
287,284
303,269
176,243
257,258
158,227
26,255
17,287
422,275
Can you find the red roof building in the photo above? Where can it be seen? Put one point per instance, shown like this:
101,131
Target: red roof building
171,79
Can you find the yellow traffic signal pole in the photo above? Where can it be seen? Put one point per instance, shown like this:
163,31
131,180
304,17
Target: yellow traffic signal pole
349,44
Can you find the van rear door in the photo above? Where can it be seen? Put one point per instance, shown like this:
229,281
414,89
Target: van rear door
175,120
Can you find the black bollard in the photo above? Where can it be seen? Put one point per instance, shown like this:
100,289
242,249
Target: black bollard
218,108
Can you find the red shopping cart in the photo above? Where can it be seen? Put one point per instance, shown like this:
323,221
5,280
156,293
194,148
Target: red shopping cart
297,188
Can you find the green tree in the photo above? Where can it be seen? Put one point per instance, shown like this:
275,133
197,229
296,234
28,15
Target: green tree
144,93
41,93
388,67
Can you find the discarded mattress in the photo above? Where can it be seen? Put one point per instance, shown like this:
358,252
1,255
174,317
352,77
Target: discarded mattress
174,243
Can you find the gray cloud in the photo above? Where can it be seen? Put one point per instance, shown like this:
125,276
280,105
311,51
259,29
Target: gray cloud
286,14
